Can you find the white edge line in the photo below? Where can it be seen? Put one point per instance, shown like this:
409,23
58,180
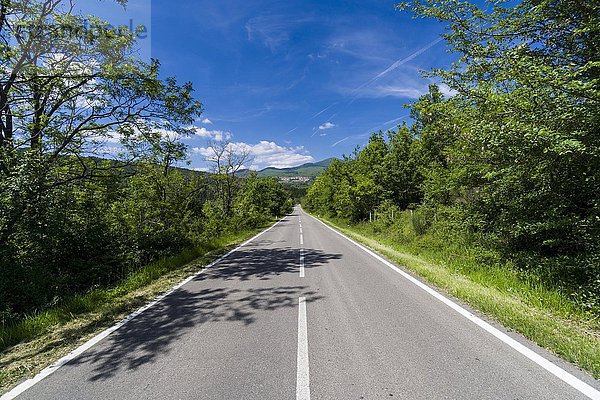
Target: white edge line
302,374
19,389
554,369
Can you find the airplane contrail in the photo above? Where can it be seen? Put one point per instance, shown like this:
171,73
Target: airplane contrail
389,69
340,141
323,110
401,62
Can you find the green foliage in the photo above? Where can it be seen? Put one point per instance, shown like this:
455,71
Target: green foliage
94,233
259,200
511,161
383,172
419,221
70,222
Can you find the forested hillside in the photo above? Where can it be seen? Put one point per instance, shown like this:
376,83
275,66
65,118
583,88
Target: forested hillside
308,170
72,88
508,166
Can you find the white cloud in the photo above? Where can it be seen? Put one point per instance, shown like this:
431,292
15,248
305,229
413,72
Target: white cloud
327,125
207,121
168,135
266,154
340,141
274,30
110,151
405,84
109,137
447,90
395,91
405,90
217,135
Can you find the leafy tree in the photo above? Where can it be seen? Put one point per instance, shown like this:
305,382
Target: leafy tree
261,199
528,93
402,170
227,159
66,90
512,158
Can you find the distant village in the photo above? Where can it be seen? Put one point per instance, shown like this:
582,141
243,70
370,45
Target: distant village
294,179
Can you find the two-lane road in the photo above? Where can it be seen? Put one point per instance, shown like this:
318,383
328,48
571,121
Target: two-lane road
301,312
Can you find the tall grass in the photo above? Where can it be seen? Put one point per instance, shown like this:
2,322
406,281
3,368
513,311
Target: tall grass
100,299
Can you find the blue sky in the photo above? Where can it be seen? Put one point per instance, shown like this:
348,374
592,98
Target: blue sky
294,81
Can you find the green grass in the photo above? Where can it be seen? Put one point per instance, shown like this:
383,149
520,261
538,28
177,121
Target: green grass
545,315
40,339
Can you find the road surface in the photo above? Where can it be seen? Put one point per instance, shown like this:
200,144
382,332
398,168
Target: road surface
301,312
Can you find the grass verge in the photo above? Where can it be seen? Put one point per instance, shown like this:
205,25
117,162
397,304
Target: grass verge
542,314
39,340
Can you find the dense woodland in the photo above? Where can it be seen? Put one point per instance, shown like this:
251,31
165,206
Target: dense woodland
71,220
510,161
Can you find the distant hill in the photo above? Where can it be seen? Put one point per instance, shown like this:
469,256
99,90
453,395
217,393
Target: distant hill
310,170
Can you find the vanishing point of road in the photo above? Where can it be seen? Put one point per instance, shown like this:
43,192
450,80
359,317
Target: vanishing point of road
302,312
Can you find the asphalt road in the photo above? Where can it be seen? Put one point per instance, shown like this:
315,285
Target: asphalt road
301,312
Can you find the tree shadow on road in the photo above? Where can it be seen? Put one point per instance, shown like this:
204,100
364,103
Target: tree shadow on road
154,333
264,263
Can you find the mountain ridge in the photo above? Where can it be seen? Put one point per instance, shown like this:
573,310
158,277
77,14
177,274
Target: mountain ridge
310,170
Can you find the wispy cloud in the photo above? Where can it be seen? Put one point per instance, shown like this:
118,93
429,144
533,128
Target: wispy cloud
403,91
365,45
392,123
340,141
407,85
327,125
401,62
207,121
273,30
323,110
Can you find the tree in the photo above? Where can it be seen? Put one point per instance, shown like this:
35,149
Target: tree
227,159
261,199
66,89
403,176
525,151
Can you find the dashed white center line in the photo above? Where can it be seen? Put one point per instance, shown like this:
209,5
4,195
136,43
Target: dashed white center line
301,252
301,263
302,377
